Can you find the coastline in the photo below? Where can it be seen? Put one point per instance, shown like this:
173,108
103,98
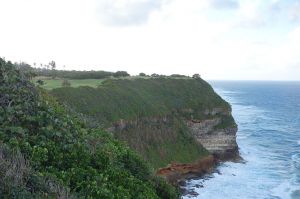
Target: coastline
178,173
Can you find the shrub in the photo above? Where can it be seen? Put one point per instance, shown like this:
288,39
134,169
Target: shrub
178,75
18,180
40,82
88,162
196,76
155,75
73,74
120,74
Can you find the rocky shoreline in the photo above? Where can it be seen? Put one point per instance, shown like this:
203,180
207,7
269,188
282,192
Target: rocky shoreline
221,143
177,174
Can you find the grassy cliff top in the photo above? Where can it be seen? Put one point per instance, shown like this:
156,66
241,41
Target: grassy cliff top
131,99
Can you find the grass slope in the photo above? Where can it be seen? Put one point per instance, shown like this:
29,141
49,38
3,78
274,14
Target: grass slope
137,98
144,100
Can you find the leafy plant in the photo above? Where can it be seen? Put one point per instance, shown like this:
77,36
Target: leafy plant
88,163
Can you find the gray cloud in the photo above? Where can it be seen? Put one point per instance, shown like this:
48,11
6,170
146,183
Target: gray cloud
295,12
129,13
225,4
273,14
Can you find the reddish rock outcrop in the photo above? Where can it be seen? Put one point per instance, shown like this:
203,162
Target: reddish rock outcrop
176,172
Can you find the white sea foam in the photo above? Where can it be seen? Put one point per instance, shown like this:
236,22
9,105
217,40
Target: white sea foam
268,145
285,190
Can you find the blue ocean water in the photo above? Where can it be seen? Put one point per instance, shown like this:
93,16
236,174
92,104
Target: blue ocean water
268,116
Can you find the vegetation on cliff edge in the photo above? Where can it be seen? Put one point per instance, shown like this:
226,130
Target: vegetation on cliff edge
149,114
55,155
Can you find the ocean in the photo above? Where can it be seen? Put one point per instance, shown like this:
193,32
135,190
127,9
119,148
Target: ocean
268,118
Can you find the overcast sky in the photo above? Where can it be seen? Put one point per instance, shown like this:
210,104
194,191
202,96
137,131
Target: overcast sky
220,39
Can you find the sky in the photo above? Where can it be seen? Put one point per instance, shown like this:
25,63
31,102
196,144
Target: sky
219,39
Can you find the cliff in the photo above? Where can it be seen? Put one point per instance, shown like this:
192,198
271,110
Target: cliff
47,153
219,139
166,120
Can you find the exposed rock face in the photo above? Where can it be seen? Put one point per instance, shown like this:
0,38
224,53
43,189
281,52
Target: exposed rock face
175,172
219,141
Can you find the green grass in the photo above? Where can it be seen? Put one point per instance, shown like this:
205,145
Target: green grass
50,84
161,143
137,98
148,101
46,152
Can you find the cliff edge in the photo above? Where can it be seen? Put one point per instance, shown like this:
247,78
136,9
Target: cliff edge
166,120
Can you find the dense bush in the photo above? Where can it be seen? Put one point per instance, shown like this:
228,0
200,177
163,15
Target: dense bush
19,180
88,162
178,75
121,74
155,75
73,74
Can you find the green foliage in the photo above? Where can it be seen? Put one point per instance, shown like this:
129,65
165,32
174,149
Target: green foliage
18,180
138,98
162,142
196,76
121,74
25,69
40,82
73,74
158,105
226,121
155,75
88,162
179,76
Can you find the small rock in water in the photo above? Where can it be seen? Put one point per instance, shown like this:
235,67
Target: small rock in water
199,186
182,183
192,193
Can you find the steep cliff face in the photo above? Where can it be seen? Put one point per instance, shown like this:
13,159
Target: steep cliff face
160,140
219,139
220,142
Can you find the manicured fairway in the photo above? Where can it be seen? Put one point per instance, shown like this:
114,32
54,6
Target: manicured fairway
50,84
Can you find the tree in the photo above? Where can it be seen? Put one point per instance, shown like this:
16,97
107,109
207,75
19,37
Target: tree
121,74
196,76
26,70
155,75
66,83
142,74
53,68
